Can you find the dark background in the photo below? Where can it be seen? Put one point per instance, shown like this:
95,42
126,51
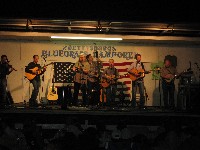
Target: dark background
186,11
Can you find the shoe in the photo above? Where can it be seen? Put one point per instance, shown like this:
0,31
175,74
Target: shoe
2,107
5,106
33,104
142,107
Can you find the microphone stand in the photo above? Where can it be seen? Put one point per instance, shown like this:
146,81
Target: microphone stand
41,100
98,88
159,89
198,70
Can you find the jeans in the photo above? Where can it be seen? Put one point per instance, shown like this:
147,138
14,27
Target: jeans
36,86
168,94
93,92
139,84
83,88
3,92
111,94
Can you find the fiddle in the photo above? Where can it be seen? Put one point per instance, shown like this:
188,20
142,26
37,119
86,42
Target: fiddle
10,66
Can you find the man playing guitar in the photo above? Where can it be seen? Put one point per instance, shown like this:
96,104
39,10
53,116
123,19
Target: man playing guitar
36,80
168,74
138,80
110,75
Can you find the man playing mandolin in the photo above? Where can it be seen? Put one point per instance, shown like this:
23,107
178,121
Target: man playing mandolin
35,69
110,76
80,68
137,73
168,74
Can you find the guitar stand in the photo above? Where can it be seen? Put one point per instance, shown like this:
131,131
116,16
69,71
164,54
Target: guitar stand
146,96
159,89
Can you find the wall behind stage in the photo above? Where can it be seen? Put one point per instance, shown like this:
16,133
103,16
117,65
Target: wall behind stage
20,54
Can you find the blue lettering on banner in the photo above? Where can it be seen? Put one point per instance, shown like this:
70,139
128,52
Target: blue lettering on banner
73,51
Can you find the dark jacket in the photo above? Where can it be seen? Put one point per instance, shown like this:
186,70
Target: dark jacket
32,65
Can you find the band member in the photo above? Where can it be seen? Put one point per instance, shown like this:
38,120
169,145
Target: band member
80,68
111,74
168,74
5,69
36,80
139,82
93,81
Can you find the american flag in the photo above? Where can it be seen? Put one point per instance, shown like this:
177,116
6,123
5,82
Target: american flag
64,74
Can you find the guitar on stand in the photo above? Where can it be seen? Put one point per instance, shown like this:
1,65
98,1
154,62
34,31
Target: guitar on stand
52,92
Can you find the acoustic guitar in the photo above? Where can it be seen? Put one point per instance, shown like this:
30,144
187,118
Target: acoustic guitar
52,93
136,74
31,76
105,82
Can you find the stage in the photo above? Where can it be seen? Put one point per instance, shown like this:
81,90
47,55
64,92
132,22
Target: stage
150,116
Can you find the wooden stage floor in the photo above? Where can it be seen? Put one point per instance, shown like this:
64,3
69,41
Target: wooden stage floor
55,115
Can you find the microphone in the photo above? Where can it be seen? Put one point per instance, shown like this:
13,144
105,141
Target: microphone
190,66
44,58
96,54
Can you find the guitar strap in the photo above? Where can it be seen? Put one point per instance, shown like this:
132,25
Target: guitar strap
169,71
142,65
115,71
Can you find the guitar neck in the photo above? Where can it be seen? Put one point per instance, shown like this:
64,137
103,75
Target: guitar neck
45,66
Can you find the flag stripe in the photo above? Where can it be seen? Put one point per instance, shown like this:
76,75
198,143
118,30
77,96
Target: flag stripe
119,64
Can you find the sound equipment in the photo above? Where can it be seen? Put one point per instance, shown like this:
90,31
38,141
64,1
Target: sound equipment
188,97
193,98
31,76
